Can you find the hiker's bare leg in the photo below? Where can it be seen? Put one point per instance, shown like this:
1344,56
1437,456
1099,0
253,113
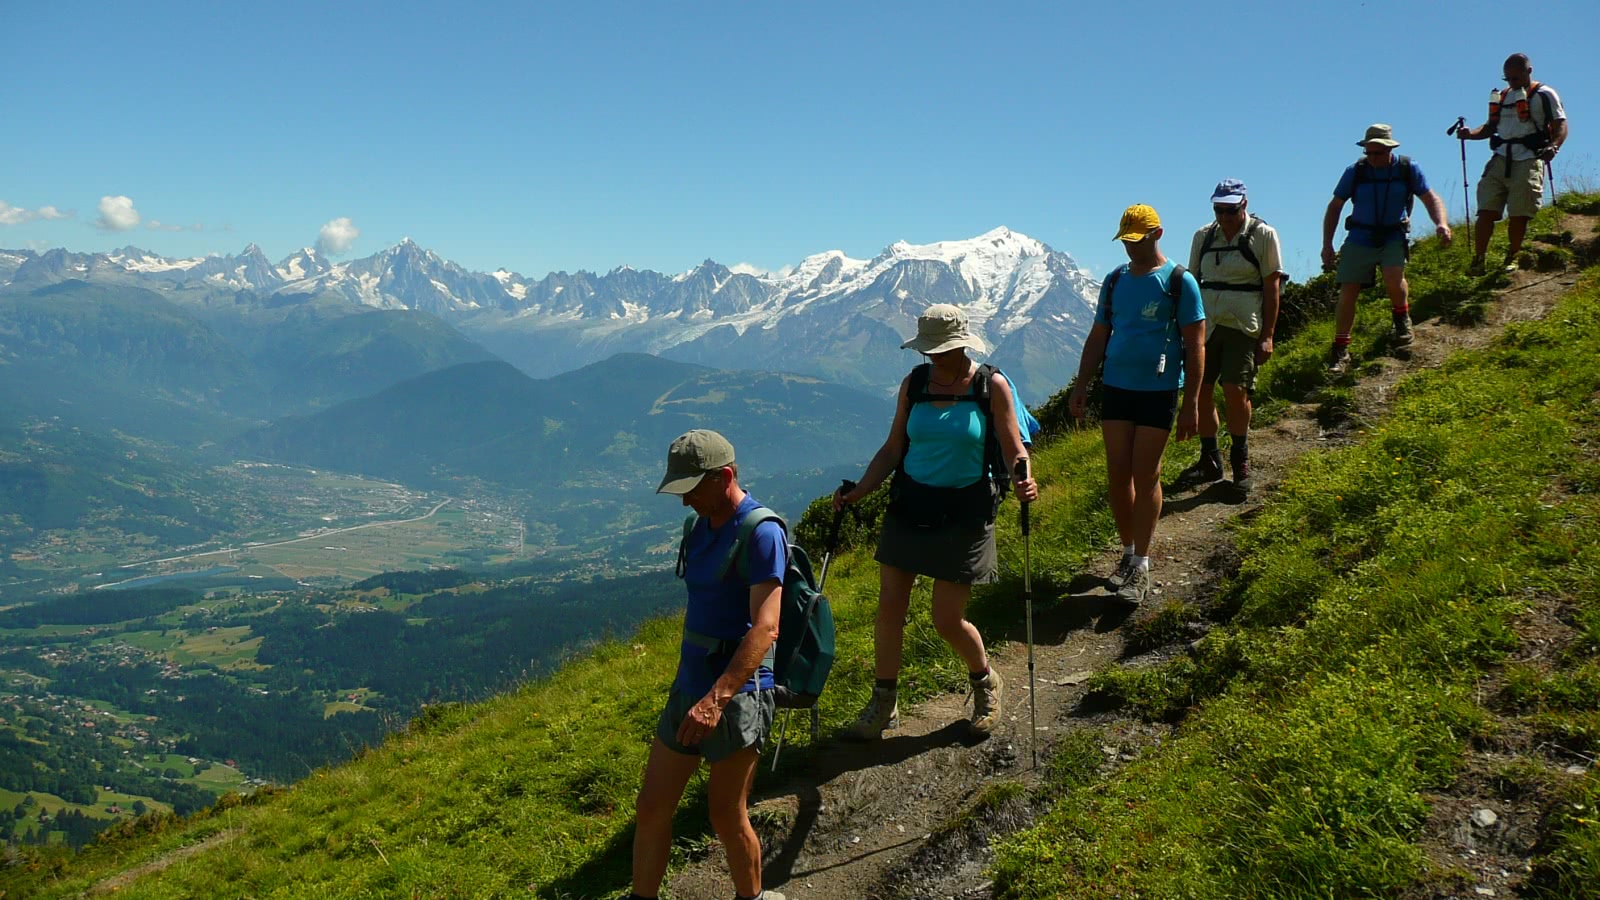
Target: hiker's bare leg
1483,232
894,598
1238,400
727,793
1118,437
1148,445
950,620
665,776
1208,410
1345,316
1516,230
1394,283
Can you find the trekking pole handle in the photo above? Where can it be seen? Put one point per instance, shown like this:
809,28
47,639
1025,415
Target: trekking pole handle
1459,125
1021,475
845,487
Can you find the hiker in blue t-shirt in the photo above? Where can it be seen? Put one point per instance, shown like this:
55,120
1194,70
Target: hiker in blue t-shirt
1377,234
721,704
1150,333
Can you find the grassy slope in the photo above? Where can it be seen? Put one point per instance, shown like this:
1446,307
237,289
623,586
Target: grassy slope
533,790
1381,589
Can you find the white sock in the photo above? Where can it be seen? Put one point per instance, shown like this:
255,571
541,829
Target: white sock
1127,551
1142,563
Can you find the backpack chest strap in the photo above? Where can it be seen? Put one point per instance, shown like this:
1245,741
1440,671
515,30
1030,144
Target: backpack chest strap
724,647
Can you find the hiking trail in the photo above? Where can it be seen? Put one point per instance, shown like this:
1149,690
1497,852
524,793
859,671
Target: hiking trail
894,819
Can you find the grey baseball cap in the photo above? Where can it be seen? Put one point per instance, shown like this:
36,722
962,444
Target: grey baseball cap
691,457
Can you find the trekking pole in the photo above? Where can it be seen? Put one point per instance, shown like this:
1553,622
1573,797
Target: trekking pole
1550,176
845,486
1027,600
1459,129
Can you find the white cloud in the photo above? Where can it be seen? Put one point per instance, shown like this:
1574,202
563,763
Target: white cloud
117,214
155,225
15,215
337,236
745,268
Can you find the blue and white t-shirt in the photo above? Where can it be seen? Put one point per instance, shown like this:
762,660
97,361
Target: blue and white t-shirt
1142,329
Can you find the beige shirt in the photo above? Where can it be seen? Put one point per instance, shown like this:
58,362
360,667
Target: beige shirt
1235,309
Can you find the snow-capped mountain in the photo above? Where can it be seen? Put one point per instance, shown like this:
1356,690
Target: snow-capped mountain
830,314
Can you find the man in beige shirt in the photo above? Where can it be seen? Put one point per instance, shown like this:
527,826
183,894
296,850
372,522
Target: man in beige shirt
1239,265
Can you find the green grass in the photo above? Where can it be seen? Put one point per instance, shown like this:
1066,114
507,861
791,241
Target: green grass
1379,588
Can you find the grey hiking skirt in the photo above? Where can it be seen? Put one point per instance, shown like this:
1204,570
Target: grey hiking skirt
963,555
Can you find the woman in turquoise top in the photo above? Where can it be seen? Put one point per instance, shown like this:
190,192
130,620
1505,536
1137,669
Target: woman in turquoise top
940,521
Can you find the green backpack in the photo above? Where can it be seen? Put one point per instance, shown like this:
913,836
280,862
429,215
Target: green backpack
803,654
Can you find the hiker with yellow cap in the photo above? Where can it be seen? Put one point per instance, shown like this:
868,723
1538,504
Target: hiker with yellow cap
721,705
1377,234
1149,332
952,444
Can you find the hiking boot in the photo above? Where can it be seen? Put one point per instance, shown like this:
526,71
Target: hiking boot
1401,337
1339,361
1478,267
1120,576
1241,475
1205,471
881,712
1136,588
986,699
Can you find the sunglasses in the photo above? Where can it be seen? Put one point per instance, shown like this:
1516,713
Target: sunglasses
1222,210
1377,151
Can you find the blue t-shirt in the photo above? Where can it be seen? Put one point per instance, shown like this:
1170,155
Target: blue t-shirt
1142,329
946,445
1384,200
721,608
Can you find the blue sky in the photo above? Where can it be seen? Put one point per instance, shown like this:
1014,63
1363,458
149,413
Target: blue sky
544,136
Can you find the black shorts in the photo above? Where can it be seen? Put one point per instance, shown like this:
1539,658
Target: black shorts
1149,409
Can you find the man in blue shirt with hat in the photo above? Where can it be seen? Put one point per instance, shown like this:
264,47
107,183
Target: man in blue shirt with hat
1377,234
721,705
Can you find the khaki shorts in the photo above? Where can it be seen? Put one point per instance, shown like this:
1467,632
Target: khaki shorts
1520,191
1231,357
1356,261
746,722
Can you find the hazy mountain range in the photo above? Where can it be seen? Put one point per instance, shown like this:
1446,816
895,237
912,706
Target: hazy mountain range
828,315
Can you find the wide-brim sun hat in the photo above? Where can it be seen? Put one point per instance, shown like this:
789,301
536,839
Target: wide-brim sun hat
693,456
1379,134
941,327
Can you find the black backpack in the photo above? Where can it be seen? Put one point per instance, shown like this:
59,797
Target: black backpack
1241,246
1174,287
993,463
1366,173
803,654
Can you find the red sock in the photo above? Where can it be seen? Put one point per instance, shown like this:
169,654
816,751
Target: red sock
1342,340
1402,309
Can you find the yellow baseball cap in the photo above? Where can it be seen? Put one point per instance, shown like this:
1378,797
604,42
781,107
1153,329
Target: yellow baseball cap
1137,223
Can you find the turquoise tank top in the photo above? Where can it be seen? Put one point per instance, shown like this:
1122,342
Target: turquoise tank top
946,444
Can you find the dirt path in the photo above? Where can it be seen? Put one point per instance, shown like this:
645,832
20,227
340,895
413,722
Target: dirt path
875,821
123,879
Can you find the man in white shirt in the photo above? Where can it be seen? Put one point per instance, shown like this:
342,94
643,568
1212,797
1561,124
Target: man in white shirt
1526,128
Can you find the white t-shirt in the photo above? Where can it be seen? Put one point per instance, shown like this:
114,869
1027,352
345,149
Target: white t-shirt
1512,127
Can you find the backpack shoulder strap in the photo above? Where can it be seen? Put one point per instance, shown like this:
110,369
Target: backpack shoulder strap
991,442
1544,100
1245,249
682,568
1110,286
917,389
1205,245
1175,288
741,540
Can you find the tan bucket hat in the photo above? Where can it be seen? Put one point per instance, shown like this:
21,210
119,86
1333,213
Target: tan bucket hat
941,327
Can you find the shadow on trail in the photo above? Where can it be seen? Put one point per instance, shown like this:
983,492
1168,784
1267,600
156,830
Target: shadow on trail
1215,492
827,762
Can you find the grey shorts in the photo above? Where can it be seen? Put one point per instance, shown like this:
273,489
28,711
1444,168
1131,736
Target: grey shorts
1356,261
952,553
1231,357
746,722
